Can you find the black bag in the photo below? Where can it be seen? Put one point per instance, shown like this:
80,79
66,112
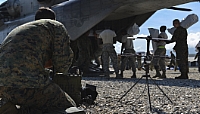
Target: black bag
88,94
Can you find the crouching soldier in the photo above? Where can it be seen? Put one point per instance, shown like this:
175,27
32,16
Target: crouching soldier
24,55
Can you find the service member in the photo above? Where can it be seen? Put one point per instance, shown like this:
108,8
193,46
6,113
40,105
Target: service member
173,61
84,55
108,51
197,56
139,61
24,55
127,44
181,48
158,59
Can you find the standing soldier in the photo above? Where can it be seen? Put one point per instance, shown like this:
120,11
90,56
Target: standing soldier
158,59
181,48
172,61
197,56
127,44
84,46
109,51
25,53
98,52
139,61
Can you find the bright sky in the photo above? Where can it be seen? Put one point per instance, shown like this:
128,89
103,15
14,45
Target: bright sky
165,17
1,1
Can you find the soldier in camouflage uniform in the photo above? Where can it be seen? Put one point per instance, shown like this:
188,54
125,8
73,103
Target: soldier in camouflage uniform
139,61
84,45
127,44
173,61
181,48
24,55
158,60
197,56
109,51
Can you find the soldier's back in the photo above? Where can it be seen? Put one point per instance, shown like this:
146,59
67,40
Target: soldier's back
24,52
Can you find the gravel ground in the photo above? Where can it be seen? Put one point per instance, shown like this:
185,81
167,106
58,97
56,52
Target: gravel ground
184,94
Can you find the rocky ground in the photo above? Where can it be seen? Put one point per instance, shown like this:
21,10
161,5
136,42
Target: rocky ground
184,94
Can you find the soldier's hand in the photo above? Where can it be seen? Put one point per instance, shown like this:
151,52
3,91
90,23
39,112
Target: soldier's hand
149,37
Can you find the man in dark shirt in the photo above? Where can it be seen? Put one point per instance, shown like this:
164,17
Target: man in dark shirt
181,48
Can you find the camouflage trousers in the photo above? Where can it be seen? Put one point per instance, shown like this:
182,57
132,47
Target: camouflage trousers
108,51
157,61
130,59
84,61
84,54
139,61
182,60
97,54
46,99
172,62
198,61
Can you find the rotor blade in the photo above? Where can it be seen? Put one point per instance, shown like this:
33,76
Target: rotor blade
180,9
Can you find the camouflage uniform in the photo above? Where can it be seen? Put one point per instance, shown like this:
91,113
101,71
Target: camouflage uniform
181,48
131,60
108,51
139,61
198,58
73,45
23,54
97,54
172,61
84,46
127,44
158,59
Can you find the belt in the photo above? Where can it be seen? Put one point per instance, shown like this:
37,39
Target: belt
161,46
128,49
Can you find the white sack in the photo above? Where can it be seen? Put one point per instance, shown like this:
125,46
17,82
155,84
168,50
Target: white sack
133,30
171,30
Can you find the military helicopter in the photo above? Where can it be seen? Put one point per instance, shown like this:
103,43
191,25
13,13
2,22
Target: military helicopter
79,16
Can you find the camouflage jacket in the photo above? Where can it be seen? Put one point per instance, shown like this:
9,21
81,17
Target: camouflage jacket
180,37
25,50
